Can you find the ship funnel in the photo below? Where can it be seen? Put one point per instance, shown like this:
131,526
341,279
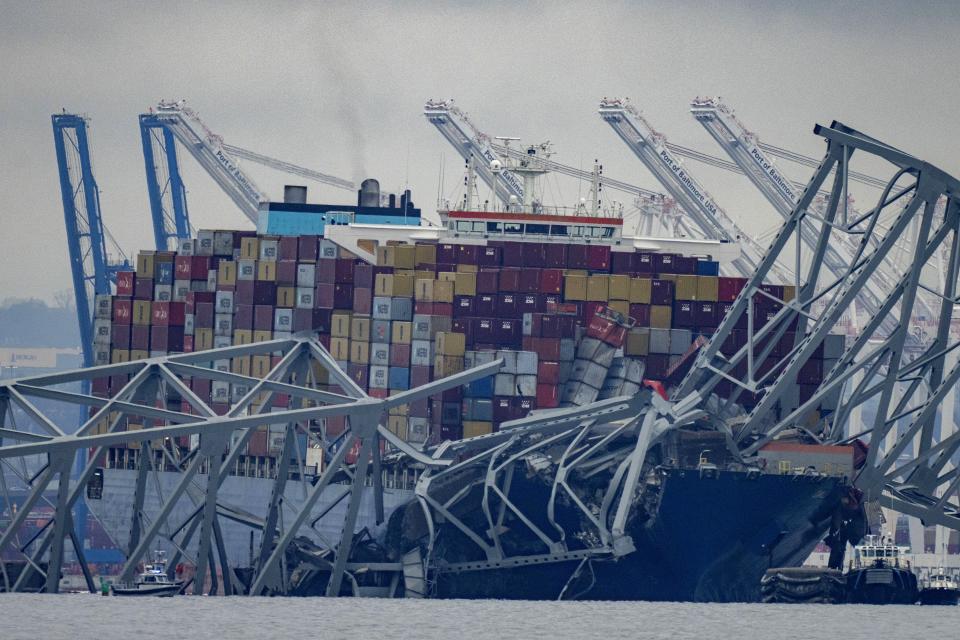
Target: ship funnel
369,193
294,194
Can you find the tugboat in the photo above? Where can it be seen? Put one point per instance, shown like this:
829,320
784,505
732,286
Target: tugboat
940,588
880,573
153,581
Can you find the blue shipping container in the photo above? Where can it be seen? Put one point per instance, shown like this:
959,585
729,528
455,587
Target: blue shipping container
399,378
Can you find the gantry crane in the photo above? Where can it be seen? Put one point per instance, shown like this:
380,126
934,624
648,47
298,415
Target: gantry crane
91,266
651,148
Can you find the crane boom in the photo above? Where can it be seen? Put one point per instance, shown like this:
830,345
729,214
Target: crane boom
289,167
650,147
90,266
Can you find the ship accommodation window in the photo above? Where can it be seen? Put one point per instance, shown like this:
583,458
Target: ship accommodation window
784,467
608,232
559,230
512,227
541,229
463,225
576,230
478,227
494,227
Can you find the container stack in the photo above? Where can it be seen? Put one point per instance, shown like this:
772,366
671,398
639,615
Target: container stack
572,322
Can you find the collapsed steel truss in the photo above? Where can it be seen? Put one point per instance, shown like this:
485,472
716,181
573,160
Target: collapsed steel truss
907,468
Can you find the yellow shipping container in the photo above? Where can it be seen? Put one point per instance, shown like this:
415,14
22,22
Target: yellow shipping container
262,336
405,256
340,324
423,274
250,248
145,264
359,352
360,329
619,288
450,343
136,354
575,288
340,348
465,284
447,276
708,288
444,366
789,292
402,285
660,316
686,288
598,288
639,291
267,270
426,254
142,312
638,342
226,273
399,410
242,336
443,291
620,306
202,339
259,366
398,426
383,284
467,268
241,365
385,256
286,297
119,355
474,428
423,289
401,332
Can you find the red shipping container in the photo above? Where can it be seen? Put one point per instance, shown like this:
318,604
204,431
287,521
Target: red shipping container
589,310
182,267
140,338
729,288
419,375
534,255
326,272
577,257
399,355
487,281
257,445
363,276
199,267
362,300
380,394
555,255
529,280
122,311
547,348
551,281
120,336
423,308
288,248
168,339
510,280
307,248
188,344
443,309
101,386
490,256
534,327
287,273
263,317
168,313
343,271
548,372
641,314
125,283
324,296
598,257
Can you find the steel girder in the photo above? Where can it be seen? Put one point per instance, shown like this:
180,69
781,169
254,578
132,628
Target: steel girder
303,362
908,465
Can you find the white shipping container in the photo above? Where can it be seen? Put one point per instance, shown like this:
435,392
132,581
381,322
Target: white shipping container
305,298
219,342
224,302
381,308
568,350
223,364
186,247
484,357
509,361
306,274
379,377
223,325
418,429
188,324
162,292
204,244
212,280
246,270
281,335
269,249
526,363
103,307
180,290
237,391
101,331
421,353
526,385
504,384
220,391
282,320
328,249
379,353
101,354
223,243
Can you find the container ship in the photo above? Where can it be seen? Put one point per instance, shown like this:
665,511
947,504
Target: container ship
578,312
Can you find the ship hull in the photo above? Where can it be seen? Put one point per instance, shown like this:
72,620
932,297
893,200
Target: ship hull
710,540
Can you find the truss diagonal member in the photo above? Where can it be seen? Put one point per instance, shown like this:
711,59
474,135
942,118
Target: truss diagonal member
43,421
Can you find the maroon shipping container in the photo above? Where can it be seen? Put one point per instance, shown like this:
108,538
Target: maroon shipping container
203,315
307,248
201,387
140,337
490,256
466,327
324,296
534,255
419,375
287,273
343,271
640,313
729,288
288,248
532,328
657,366
166,339
468,254
363,276
598,257
510,280
462,306
554,255
577,257
187,344
199,267
551,281
485,306
548,396
443,309
168,313
546,348
513,254
506,306
548,372
263,317
362,301
529,280
120,336
399,355
326,272
125,283
122,311
661,292
342,296
143,289
487,281
550,326
182,267
622,262
257,445
503,409
423,308
447,254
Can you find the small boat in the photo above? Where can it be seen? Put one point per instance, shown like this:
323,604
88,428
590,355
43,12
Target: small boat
153,581
940,588
880,573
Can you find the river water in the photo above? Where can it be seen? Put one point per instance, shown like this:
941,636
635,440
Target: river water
81,616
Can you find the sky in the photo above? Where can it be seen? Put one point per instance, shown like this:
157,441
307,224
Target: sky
340,87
